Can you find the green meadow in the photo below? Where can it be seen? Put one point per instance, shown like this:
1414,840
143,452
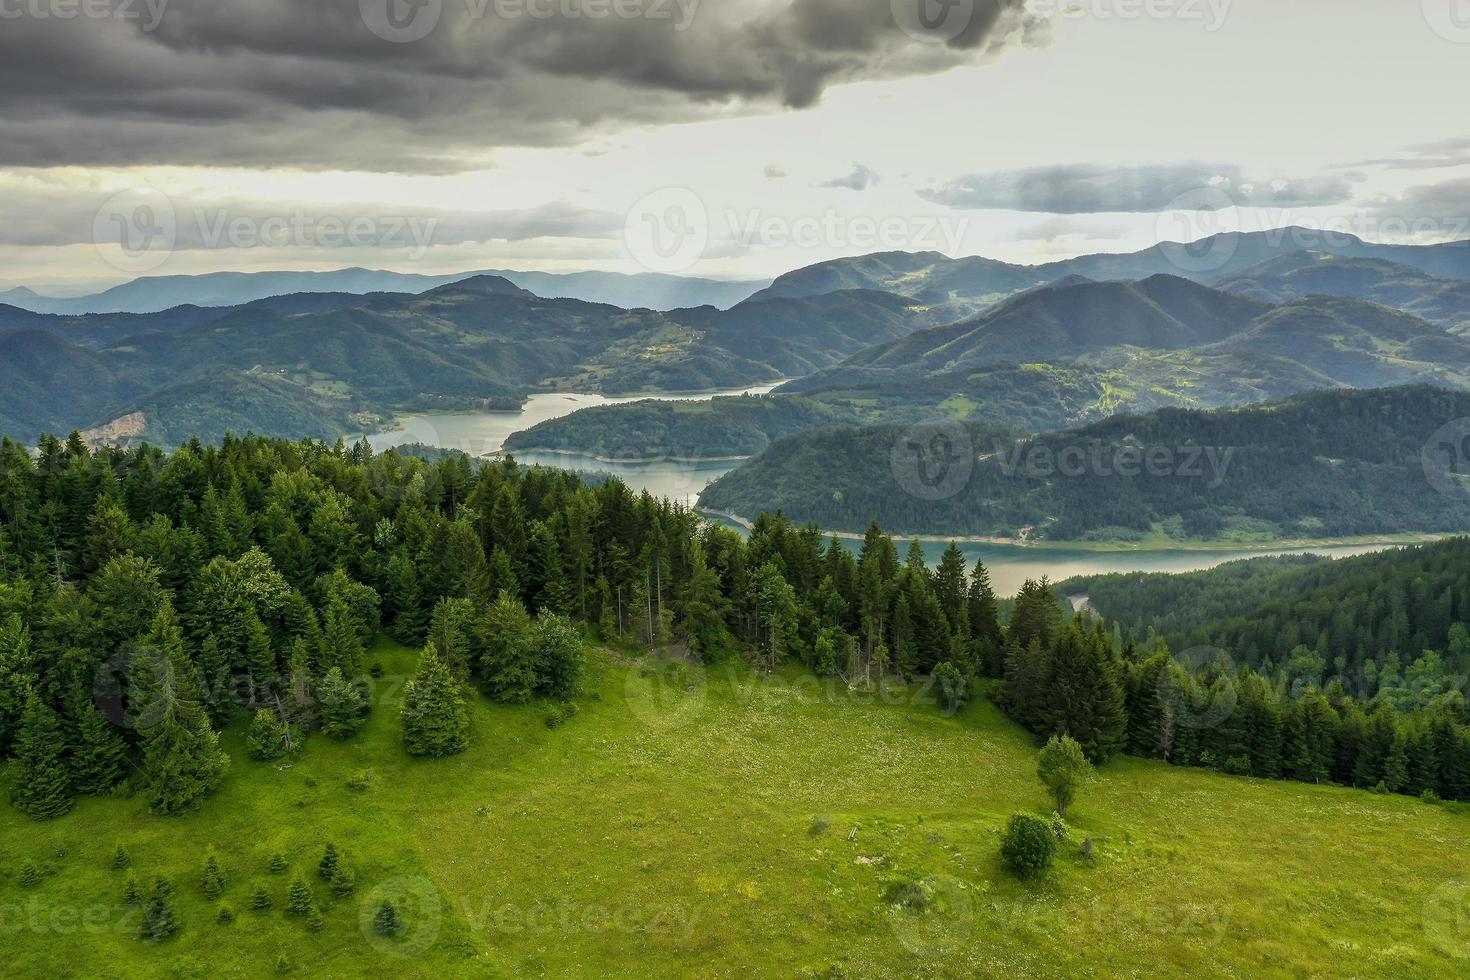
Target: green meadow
717,823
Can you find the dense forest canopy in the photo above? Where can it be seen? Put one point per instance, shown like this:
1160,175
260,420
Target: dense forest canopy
1330,463
147,599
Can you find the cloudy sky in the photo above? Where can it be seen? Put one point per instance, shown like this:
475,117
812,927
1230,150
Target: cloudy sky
732,138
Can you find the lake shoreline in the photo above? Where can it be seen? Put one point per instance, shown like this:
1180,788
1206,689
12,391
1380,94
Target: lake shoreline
1126,547
616,460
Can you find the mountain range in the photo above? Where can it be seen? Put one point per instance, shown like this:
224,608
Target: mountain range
152,294
890,337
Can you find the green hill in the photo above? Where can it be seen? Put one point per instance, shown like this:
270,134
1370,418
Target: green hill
1319,465
663,830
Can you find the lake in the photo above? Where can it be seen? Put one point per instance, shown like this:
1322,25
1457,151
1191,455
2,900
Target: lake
484,433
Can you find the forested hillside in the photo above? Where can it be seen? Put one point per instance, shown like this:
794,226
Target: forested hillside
1324,464
1390,625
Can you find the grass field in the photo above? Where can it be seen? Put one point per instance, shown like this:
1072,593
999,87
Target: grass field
725,825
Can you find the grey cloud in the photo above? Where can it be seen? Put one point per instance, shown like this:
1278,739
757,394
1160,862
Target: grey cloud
1447,202
774,171
860,179
1091,189
1427,156
57,216
273,82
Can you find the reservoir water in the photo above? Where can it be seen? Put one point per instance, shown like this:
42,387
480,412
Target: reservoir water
484,433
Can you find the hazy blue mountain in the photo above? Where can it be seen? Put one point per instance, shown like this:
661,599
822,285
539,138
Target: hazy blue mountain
964,286
1445,302
152,294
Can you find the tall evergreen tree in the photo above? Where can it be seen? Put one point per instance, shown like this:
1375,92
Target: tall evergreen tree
42,785
435,722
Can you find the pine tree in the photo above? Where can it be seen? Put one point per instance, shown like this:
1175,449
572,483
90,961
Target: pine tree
120,858
260,899
30,875
99,754
340,645
342,705
132,892
260,659
508,651
343,881
559,657
435,722
226,915
158,914
329,863
386,921
1086,699
212,881
42,785
298,898
277,863
267,738
182,760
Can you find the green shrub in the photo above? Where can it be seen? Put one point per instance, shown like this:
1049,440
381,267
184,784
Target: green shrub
1027,846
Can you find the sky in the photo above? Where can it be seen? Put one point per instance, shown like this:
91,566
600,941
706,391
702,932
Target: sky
727,138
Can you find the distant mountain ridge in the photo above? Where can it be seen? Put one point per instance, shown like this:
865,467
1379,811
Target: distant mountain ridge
152,294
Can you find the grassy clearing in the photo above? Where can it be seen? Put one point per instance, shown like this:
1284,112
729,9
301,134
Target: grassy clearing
720,824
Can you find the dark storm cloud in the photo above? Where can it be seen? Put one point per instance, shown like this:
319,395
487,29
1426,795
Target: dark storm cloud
310,82
1089,189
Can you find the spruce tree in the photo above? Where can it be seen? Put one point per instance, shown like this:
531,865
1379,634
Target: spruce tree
1085,698
30,875
329,863
341,704
507,645
343,881
260,899
132,892
182,760
559,657
277,863
267,738
99,755
158,917
386,921
226,915
42,785
120,858
435,722
298,898
212,881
